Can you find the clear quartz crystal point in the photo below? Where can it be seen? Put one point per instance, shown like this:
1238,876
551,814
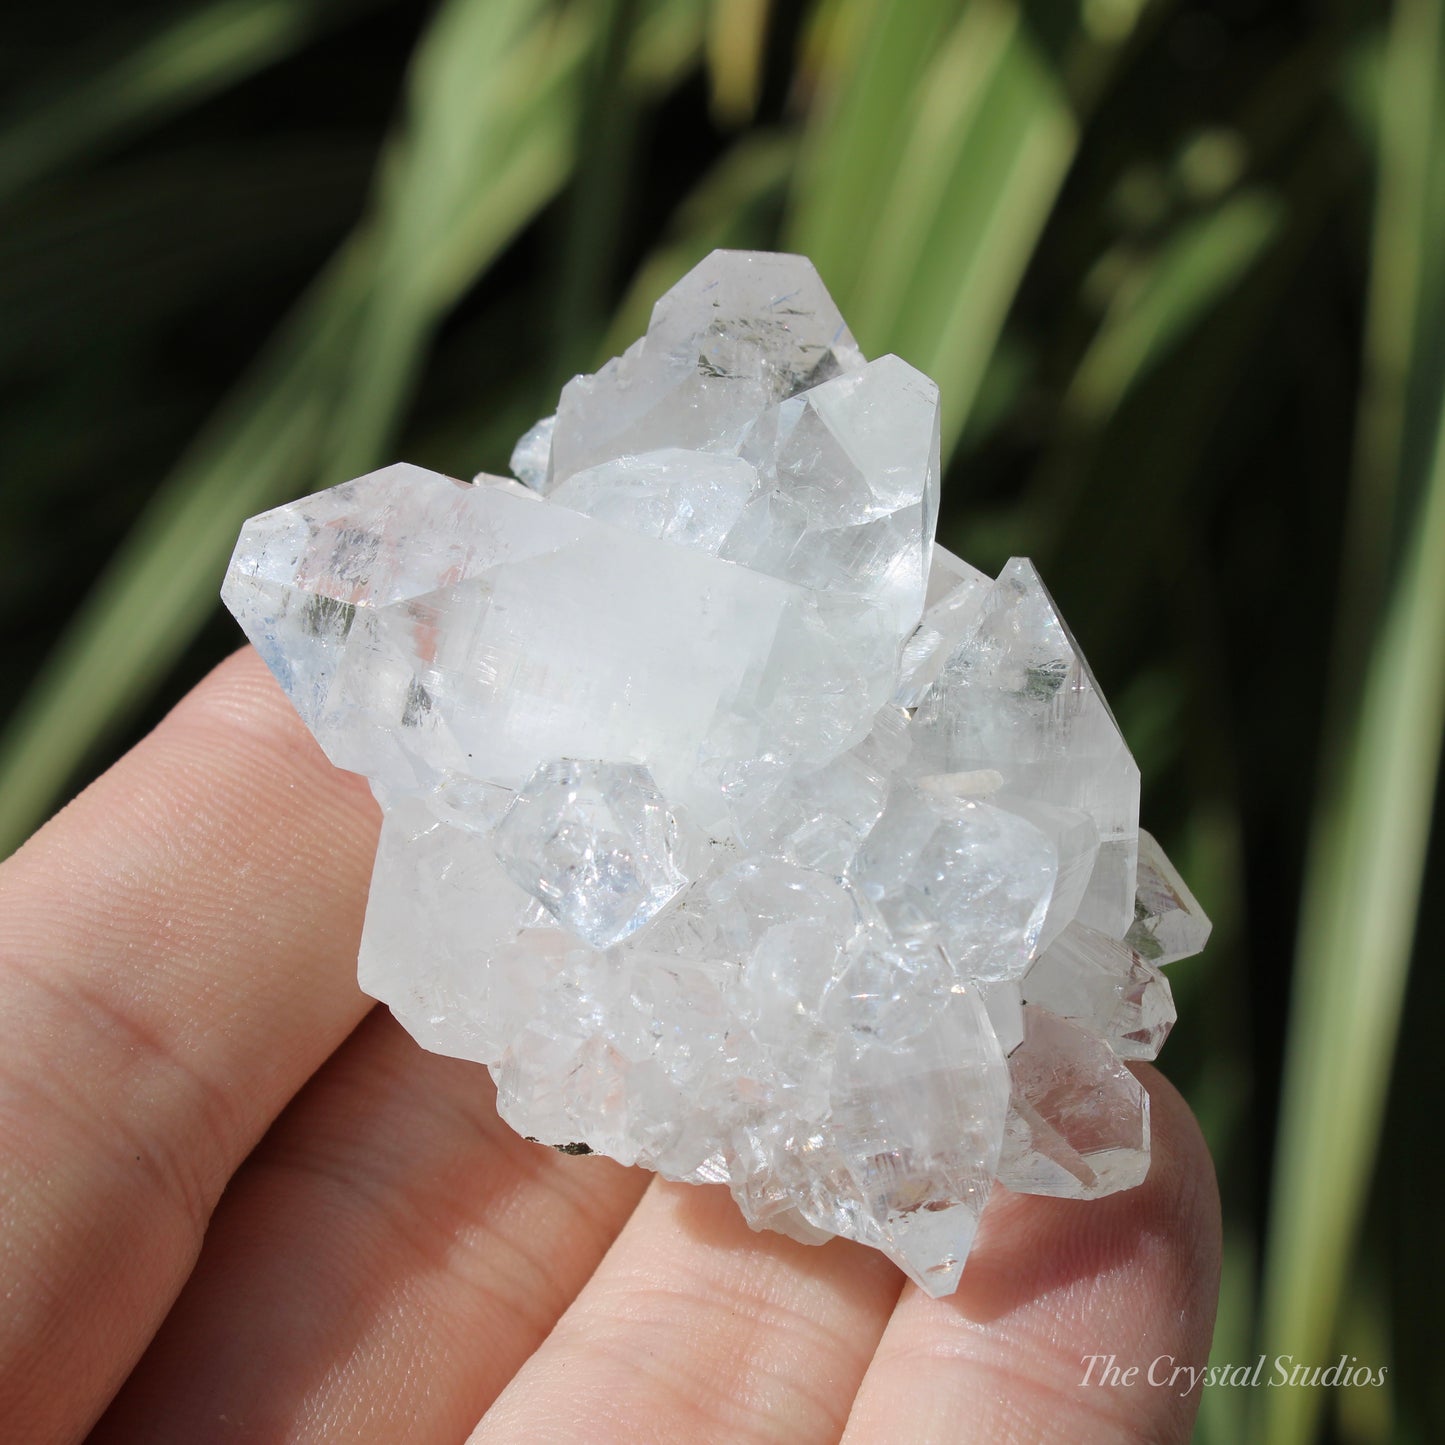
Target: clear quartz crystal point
692,498
741,831
426,628
531,457
739,333
1017,696
1168,922
974,877
951,615
848,487
902,1154
450,941
1078,1122
596,845
1105,986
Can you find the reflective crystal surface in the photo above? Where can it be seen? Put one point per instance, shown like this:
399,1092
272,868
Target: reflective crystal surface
744,833
1078,1122
1168,921
1016,695
596,845
741,332
1107,987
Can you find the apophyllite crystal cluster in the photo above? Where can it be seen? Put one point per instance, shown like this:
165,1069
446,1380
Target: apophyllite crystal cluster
745,834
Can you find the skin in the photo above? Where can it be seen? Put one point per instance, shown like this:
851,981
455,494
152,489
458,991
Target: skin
237,1202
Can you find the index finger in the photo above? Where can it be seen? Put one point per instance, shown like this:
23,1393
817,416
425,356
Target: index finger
177,955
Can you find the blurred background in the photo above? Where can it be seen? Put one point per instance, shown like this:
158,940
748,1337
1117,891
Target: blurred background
1179,270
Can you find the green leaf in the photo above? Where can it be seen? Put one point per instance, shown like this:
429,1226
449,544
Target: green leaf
1361,898
1202,261
737,34
1020,142
858,129
491,112
946,112
487,141
182,62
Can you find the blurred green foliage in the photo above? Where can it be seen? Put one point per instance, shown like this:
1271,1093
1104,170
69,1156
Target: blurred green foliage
1179,269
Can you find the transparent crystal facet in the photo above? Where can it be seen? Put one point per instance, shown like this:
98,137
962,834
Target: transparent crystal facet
739,333
949,617
1017,696
974,876
1168,922
1078,1121
426,628
596,845
1104,985
691,498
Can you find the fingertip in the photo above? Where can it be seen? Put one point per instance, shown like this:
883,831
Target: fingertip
1180,1200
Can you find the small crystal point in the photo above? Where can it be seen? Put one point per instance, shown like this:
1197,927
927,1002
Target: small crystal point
1078,1124
1168,922
740,332
1106,987
1016,695
850,475
428,629
925,1160
691,498
954,607
596,845
975,875
532,456
447,944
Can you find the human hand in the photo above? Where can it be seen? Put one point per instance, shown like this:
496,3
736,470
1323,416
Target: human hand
179,1017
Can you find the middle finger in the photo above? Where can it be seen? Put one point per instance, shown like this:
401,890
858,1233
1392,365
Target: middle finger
380,1267
695,1328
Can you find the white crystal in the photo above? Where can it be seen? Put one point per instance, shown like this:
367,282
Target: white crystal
596,845
949,617
976,876
1078,1122
425,628
447,943
532,455
903,1153
849,496
817,816
744,834
1005,1005
692,498
1104,985
1168,922
1017,696
739,333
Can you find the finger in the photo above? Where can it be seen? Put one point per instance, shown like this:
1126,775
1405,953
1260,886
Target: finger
178,955
695,1328
1049,1284
380,1267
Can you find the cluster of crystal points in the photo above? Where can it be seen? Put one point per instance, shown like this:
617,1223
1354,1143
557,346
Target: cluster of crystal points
745,834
